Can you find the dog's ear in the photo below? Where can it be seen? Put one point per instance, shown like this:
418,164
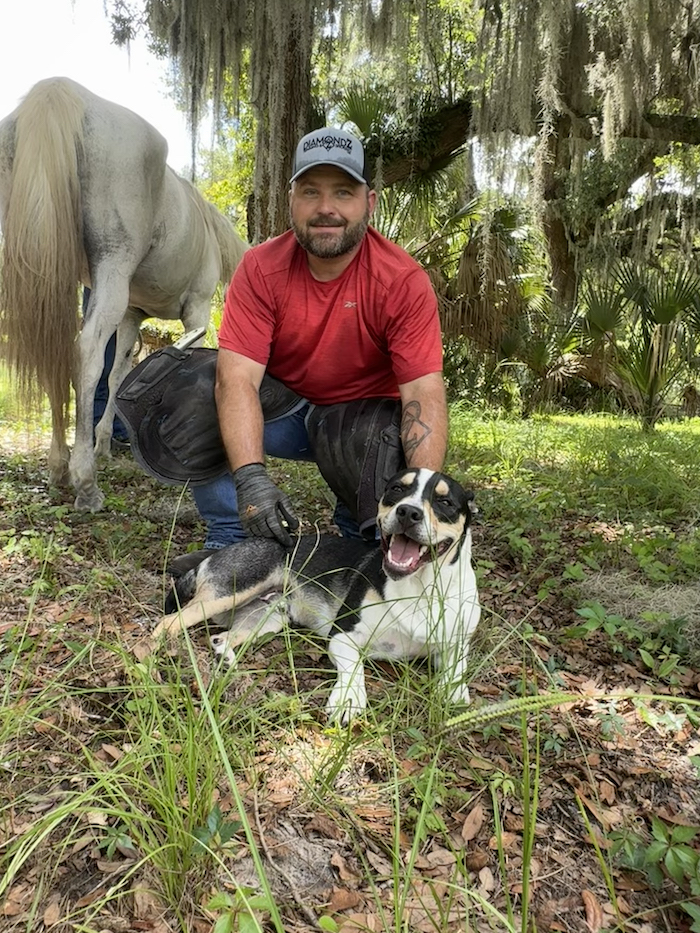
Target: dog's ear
471,504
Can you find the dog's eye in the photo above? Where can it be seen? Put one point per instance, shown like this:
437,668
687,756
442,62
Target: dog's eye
443,500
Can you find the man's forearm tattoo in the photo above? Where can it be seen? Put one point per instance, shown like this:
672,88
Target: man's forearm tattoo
413,430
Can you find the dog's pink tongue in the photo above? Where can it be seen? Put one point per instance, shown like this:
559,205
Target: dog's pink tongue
404,554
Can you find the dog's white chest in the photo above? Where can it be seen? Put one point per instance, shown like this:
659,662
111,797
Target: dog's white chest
411,621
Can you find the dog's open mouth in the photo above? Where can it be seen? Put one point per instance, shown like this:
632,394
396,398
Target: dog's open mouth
403,555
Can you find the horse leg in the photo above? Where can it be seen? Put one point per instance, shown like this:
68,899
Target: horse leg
58,452
196,313
127,335
108,302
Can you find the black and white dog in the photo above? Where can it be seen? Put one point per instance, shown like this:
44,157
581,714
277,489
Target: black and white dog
416,597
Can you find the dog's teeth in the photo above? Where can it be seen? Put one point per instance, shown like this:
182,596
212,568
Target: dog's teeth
423,549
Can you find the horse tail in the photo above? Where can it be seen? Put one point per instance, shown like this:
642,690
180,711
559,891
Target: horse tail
43,246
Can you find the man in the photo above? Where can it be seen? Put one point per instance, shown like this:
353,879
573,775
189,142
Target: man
337,313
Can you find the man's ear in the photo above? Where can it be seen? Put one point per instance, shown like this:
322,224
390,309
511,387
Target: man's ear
371,200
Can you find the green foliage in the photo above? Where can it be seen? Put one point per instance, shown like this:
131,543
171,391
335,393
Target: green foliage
217,834
605,307
241,912
428,794
226,172
646,316
668,855
369,107
659,643
117,841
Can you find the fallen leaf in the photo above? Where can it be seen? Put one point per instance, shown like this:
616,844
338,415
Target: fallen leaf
480,764
17,900
507,841
677,818
473,823
345,873
606,791
487,883
374,812
97,818
324,826
111,868
514,823
52,914
142,649
360,922
82,843
380,865
476,860
90,898
147,906
594,912
343,899
608,818
440,857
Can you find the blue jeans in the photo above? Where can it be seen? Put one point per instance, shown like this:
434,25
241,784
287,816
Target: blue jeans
102,393
102,388
217,503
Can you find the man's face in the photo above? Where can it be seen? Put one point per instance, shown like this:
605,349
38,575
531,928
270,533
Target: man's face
329,211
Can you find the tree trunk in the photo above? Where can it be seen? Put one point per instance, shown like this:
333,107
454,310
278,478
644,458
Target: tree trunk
281,97
555,159
562,258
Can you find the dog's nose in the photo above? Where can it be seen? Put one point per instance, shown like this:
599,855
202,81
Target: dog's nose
409,514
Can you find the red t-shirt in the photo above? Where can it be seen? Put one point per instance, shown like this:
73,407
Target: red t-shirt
361,335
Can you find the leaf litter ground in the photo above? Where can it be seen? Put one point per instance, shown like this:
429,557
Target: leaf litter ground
400,824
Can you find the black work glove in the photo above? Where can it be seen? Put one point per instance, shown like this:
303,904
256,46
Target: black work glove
265,510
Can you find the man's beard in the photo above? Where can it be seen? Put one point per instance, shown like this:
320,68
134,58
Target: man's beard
327,247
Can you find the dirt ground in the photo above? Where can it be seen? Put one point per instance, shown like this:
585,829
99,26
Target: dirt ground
607,768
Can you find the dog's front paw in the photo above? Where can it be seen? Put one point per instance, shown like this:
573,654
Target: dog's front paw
346,702
223,645
458,695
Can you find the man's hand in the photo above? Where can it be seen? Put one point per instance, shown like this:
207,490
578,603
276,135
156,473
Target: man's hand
265,510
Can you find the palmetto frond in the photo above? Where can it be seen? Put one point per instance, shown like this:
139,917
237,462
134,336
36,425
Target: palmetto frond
368,107
659,296
603,307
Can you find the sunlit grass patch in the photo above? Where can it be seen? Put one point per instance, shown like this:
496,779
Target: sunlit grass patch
593,461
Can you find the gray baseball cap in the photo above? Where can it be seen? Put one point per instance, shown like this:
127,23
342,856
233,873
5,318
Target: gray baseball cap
330,146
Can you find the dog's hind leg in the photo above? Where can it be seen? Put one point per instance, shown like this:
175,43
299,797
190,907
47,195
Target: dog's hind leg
261,617
197,611
181,592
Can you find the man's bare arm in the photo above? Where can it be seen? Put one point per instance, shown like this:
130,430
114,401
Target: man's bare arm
238,404
424,421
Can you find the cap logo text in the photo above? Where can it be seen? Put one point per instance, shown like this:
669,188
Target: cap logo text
328,142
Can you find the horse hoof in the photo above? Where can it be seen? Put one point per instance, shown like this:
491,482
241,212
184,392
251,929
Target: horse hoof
89,502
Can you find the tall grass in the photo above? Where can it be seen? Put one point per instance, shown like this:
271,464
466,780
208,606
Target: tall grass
167,783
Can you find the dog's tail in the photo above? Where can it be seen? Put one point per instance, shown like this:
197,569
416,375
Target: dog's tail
181,592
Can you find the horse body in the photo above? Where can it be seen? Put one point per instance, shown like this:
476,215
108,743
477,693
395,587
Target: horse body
86,195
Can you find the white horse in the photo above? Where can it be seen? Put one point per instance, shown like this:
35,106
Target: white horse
86,196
